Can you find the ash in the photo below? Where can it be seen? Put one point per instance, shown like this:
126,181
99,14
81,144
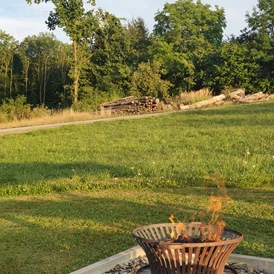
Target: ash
133,265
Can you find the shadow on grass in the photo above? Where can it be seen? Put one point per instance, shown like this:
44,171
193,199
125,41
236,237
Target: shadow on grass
49,236
33,173
64,233
41,177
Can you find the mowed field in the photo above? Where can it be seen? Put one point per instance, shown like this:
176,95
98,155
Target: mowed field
71,196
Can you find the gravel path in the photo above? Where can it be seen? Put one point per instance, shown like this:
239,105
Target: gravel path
30,128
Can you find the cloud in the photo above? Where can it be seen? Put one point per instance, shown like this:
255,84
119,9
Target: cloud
22,28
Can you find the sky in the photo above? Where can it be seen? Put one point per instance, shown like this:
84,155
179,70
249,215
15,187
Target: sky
20,20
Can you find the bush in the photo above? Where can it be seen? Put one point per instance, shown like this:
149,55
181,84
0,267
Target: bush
146,81
3,117
39,111
16,109
89,99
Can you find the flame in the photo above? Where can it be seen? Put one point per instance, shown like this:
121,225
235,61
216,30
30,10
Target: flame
179,229
215,207
211,232
171,218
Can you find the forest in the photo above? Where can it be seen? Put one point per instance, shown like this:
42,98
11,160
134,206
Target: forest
110,58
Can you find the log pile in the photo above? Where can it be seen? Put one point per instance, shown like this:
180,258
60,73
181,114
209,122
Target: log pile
237,96
132,105
253,98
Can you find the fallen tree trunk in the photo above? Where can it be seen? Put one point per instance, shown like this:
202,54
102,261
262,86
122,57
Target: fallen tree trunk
207,102
236,95
253,98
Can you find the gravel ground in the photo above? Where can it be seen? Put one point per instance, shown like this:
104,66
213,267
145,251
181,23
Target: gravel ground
133,265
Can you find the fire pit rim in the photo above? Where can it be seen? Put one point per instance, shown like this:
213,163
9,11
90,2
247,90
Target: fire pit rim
174,245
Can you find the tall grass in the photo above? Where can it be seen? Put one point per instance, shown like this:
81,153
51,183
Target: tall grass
51,117
71,196
194,96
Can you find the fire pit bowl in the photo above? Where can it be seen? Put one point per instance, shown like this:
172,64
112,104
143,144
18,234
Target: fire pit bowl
171,257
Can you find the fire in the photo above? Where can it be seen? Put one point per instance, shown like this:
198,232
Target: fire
179,231
212,231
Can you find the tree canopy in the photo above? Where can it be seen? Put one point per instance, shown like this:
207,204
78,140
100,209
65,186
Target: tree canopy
110,58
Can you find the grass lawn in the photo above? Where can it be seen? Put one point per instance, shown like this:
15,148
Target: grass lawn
72,196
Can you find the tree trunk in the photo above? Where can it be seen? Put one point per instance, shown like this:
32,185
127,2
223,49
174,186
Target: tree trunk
11,76
6,80
26,77
45,83
207,102
76,72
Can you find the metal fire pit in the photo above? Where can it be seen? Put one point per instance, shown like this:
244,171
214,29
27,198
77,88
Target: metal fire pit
166,257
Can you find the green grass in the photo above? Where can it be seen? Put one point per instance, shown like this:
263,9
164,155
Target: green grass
72,196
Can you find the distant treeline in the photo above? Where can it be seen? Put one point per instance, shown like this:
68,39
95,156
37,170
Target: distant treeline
109,58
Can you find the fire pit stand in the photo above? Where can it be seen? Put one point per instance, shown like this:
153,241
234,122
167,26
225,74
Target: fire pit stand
167,257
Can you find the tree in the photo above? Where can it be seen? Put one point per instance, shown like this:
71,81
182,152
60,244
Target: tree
140,40
70,15
8,47
146,81
187,24
230,66
41,57
259,37
187,31
175,67
110,48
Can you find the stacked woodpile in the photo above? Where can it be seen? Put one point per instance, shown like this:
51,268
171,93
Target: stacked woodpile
132,105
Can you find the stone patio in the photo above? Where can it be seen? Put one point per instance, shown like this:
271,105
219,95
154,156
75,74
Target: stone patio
262,264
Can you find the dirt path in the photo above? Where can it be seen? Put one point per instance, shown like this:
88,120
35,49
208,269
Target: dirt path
30,128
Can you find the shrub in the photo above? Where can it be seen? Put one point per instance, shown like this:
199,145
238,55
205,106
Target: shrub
89,99
3,117
146,81
16,109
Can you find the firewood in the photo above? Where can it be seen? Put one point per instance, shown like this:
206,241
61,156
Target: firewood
133,105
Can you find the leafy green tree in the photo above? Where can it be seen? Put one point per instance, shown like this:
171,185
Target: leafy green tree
189,25
175,66
8,48
230,66
110,71
70,15
146,81
39,56
186,32
140,40
259,36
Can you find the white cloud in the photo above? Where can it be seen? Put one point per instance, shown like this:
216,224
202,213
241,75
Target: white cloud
20,20
22,28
